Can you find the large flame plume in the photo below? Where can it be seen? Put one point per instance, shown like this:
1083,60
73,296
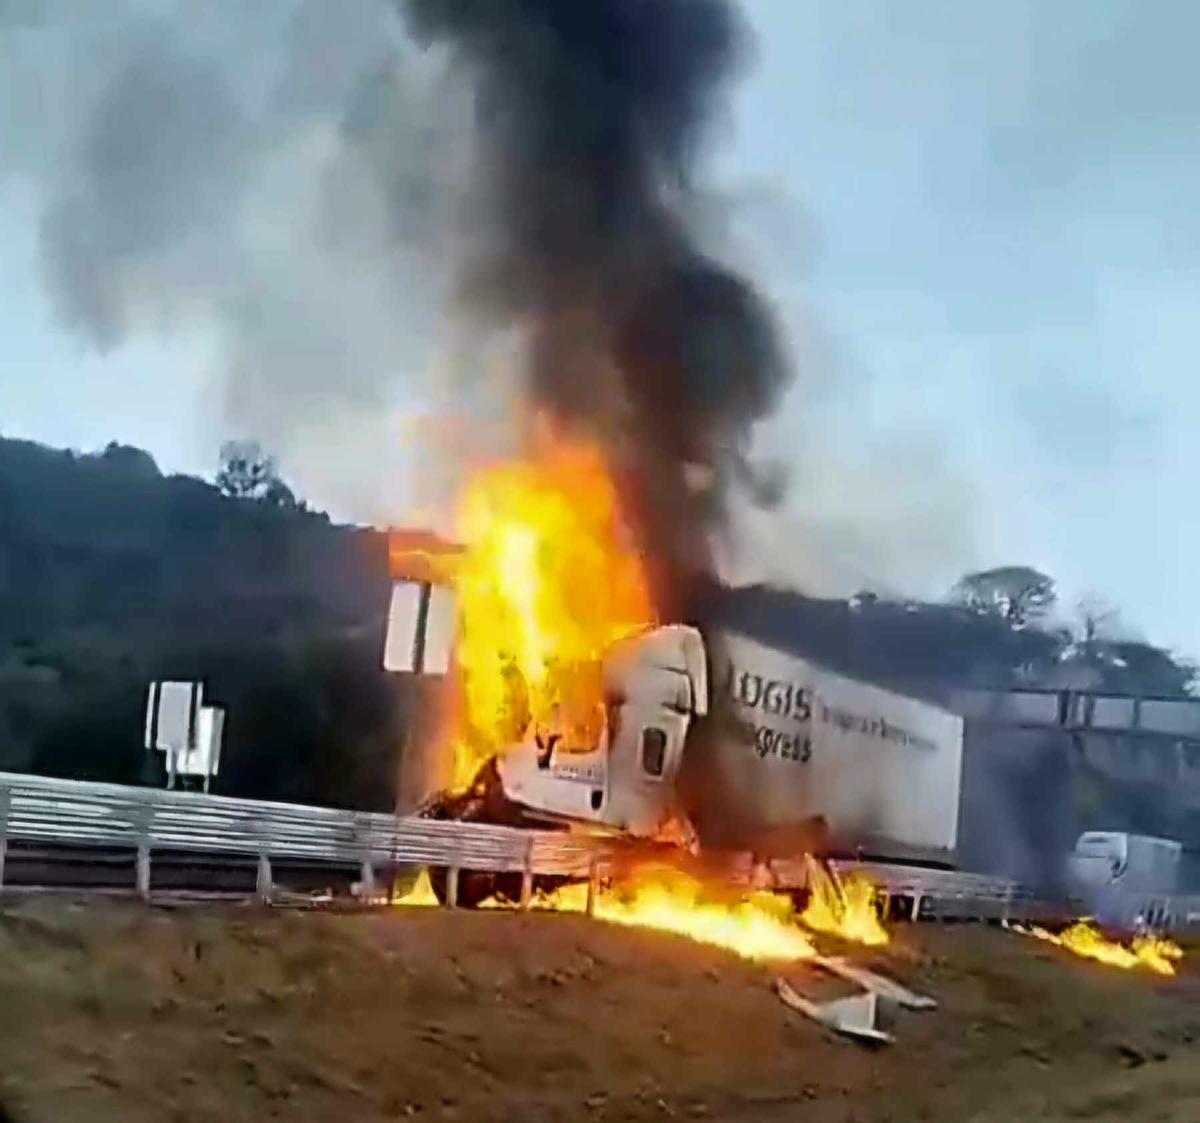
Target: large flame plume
1083,938
548,582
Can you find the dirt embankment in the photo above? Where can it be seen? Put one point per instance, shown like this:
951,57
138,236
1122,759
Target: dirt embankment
115,1012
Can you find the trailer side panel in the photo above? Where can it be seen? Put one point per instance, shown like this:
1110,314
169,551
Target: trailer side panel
788,742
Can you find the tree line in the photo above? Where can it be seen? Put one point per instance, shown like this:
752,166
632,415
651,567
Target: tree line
1089,641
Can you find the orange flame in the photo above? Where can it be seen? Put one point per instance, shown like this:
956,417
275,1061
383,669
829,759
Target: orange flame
759,926
1083,938
848,907
546,585
756,925
420,893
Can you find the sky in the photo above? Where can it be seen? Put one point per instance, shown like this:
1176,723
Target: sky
977,223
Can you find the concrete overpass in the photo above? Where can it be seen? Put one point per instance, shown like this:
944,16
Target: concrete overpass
1040,766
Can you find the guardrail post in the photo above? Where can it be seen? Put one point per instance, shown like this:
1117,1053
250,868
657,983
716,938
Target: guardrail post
593,886
916,906
143,871
5,803
264,884
527,876
452,886
264,881
142,862
367,879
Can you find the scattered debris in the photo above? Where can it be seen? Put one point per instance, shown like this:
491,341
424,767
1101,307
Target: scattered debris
883,987
854,1016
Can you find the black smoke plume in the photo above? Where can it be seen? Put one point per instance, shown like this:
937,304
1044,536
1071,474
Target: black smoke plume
590,116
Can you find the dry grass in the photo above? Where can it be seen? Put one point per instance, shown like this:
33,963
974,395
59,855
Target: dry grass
114,1012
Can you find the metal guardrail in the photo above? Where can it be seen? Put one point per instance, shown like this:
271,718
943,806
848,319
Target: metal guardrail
940,894
98,817
74,813
951,894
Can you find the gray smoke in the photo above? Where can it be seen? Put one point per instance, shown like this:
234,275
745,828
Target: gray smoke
590,117
290,194
263,184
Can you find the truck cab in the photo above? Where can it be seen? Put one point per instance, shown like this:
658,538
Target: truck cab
655,683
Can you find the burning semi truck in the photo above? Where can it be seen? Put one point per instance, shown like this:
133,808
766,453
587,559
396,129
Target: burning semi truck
562,703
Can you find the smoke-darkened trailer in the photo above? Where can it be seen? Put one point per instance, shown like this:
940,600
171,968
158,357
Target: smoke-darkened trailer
790,748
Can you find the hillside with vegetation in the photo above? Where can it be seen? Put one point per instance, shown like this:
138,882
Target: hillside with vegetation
113,574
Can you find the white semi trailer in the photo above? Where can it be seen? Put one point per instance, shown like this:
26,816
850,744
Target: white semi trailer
788,742
753,747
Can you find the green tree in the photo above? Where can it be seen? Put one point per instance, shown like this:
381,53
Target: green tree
1018,593
247,472
1097,620
1142,668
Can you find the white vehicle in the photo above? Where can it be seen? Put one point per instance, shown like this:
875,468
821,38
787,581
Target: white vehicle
1129,863
752,747
1127,880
